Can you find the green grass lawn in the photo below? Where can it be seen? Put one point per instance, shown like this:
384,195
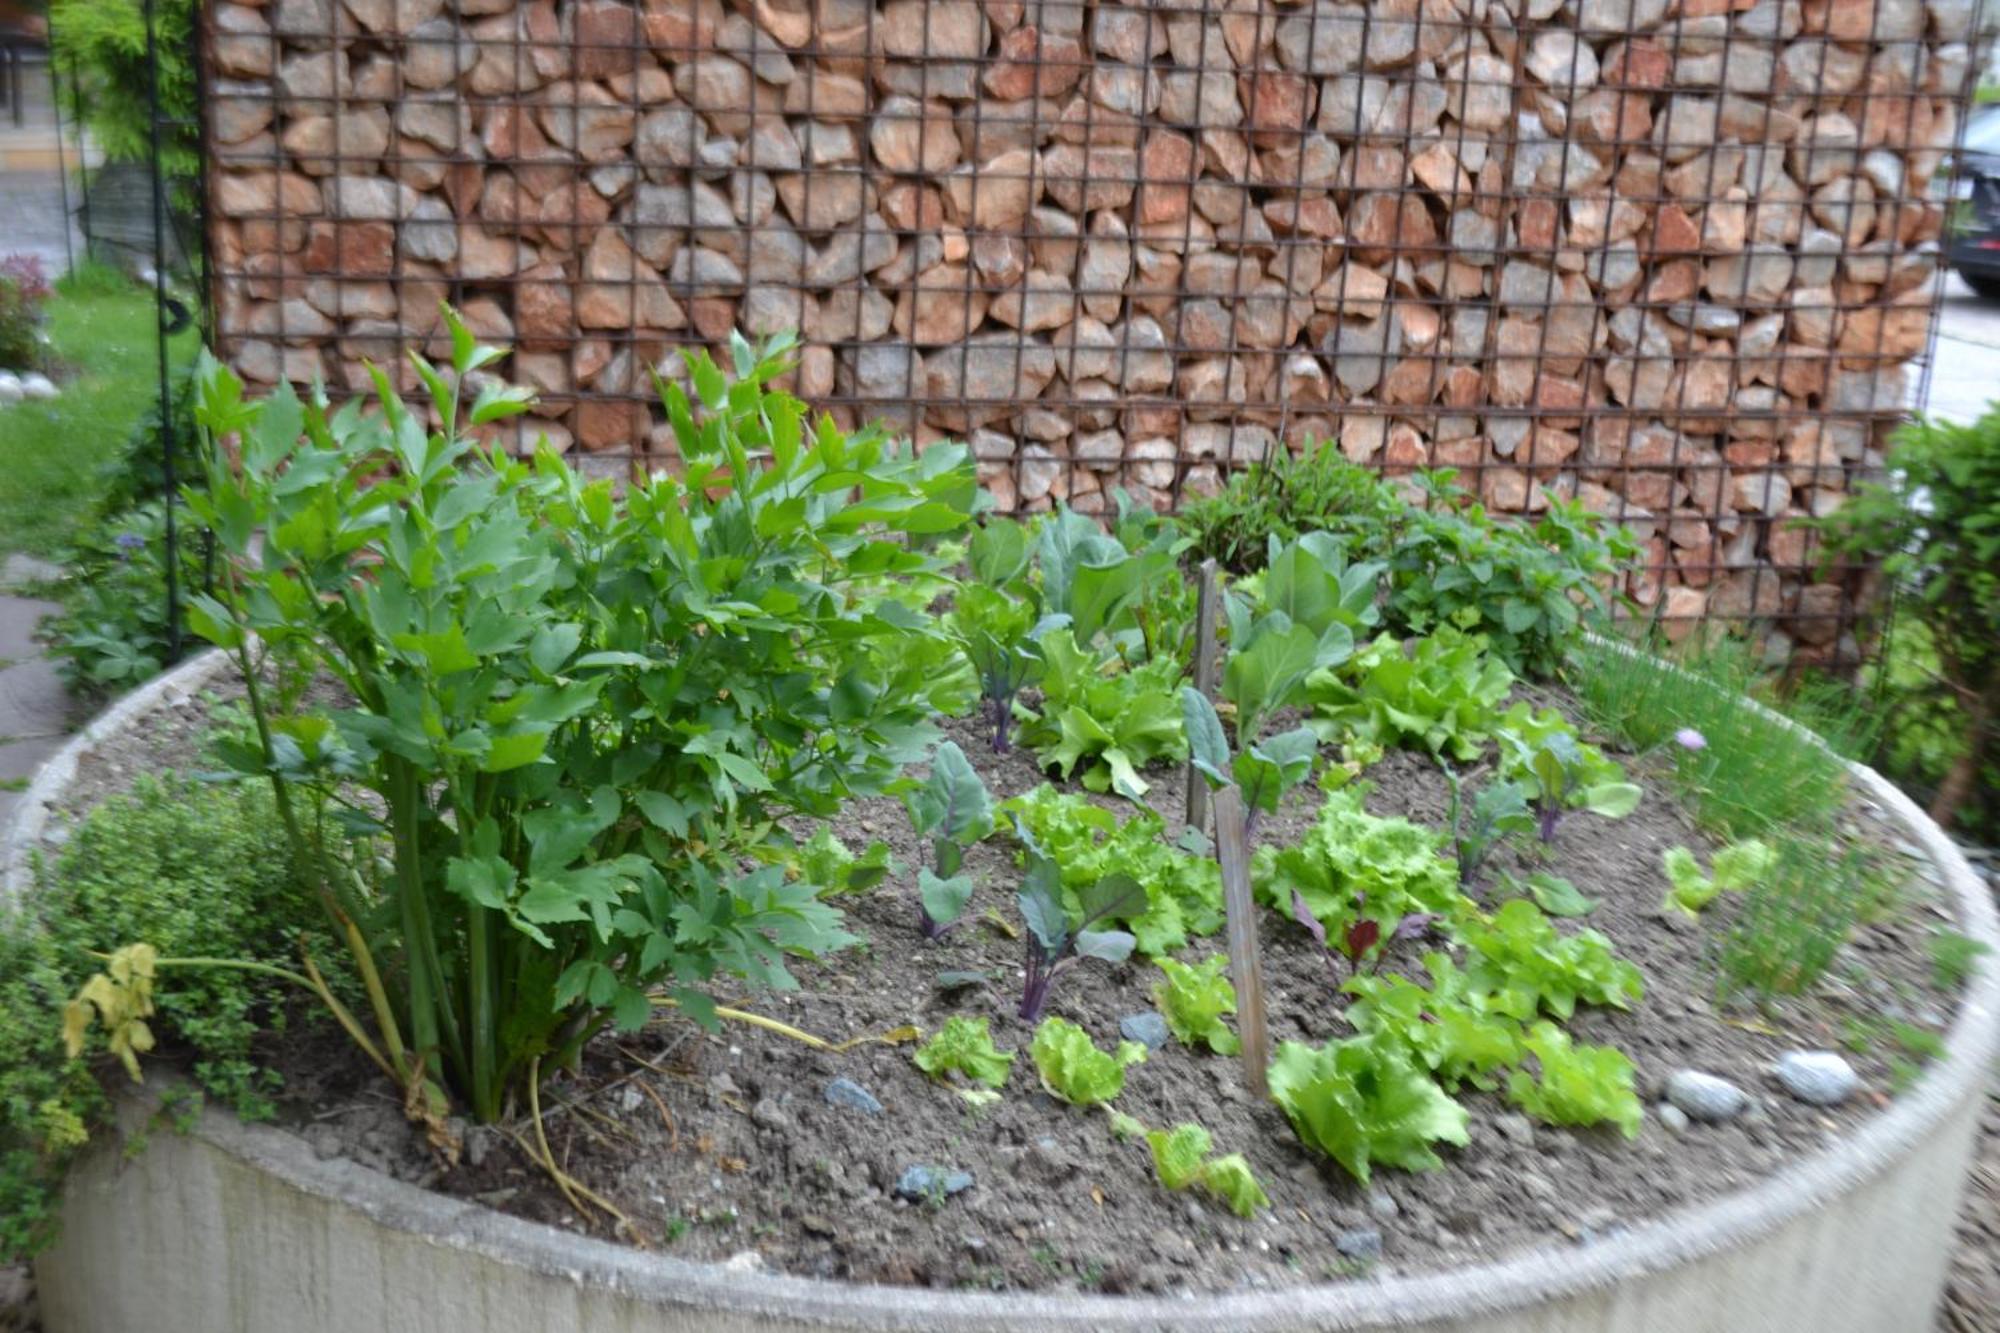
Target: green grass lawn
53,454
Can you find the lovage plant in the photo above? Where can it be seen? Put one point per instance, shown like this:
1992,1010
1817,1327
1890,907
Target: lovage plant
576,712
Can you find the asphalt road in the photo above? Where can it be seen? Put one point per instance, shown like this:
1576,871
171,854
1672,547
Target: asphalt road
1965,369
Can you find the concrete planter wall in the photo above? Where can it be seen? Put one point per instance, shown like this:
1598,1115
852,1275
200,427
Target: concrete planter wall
236,1227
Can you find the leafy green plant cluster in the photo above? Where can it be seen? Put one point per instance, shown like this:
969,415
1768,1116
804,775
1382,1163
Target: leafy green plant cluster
1933,520
1528,967
1074,1069
1497,811
1183,891
1193,998
1282,497
1100,720
1442,694
1057,936
112,632
965,1046
104,42
1184,1158
200,869
578,710
1736,867
1576,1085
1359,874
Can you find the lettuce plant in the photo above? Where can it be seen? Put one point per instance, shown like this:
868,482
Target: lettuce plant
1449,1028
1052,943
1739,866
1527,966
965,1046
1441,694
578,708
1183,891
1359,876
953,810
1559,772
1072,1067
1193,997
1182,1160
1364,1101
1578,1085
1101,717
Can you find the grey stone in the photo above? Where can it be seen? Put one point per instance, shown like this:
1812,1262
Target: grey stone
1361,1243
1382,1205
846,1092
921,1183
1704,1096
1822,1078
1147,1027
1672,1117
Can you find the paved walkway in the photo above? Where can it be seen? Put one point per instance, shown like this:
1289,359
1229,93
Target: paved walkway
35,710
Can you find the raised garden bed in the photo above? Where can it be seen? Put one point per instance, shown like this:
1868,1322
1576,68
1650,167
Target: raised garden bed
605,764
735,1156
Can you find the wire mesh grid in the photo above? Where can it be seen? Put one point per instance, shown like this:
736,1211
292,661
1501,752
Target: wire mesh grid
1671,258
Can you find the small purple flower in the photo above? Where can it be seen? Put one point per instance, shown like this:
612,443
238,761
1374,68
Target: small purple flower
1690,739
129,544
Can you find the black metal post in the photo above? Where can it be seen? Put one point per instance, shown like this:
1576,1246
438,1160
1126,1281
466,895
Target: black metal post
160,329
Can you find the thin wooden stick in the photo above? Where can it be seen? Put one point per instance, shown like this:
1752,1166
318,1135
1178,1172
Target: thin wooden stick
1246,966
1205,656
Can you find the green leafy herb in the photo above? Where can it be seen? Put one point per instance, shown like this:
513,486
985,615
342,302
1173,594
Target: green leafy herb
1193,998
1363,1102
1073,1069
1181,1159
965,1046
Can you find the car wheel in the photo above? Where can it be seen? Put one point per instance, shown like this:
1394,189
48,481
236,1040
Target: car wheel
1986,284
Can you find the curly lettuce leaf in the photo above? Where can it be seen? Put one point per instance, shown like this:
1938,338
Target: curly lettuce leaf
1441,694
1363,1102
1579,1085
1527,966
1193,998
1073,1069
1178,1154
1102,724
965,1046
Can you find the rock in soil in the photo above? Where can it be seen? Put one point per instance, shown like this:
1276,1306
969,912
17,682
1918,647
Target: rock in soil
1147,1027
1819,1077
1705,1097
920,1184
846,1092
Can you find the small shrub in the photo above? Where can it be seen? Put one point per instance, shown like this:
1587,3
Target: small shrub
24,290
1284,496
196,869
1934,522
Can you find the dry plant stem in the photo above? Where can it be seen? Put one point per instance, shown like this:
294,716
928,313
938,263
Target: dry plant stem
572,1189
894,1036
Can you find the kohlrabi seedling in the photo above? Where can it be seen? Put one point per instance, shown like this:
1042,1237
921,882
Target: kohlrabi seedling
952,810
1560,772
1499,810
1053,942
1263,773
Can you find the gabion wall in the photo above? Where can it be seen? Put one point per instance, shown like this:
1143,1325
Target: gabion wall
1672,257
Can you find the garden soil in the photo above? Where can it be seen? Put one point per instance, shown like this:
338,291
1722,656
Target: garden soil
724,1145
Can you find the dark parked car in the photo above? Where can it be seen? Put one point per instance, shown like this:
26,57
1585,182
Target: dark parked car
1975,216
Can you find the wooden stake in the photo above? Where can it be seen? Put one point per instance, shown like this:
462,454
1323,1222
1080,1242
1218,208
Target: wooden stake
1246,966
1205,656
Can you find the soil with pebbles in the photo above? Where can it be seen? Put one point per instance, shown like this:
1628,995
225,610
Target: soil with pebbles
724,1146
